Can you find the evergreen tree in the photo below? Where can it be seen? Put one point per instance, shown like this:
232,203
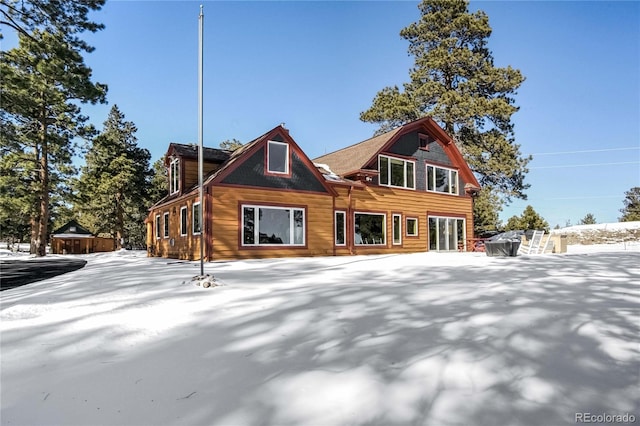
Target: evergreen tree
486,209
65,17
589,219
230,144
529,219
159,182
114,186
44,80
631,210
514,224
454,80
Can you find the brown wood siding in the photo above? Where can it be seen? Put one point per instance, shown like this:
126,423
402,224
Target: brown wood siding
190,173
184,247
415,204
226,222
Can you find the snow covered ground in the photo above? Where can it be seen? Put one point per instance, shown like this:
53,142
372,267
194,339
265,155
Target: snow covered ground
428,338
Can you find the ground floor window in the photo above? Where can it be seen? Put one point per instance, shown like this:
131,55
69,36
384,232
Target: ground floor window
446,233
340,233
166,225
269,226
195,219
412,227
397,229
369,228
157,226
183,221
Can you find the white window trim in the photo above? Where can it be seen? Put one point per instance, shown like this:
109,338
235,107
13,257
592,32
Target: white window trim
165,224
434,179
384,229
393,242
193,219
256,228
157,226
344,227
286,161
183,232
174,177
407,219
405,161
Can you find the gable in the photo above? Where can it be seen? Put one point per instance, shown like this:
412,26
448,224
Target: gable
72,227
252,170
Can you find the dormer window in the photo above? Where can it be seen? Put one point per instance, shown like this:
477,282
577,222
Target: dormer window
277,157
174,176
396,172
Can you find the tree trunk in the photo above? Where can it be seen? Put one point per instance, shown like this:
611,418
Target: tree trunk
42,221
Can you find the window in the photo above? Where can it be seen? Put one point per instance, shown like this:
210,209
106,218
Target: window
174,176
340,228
412,227
396,172
369,228
446,233
183,221
397,229
72,229
195,219
166,225
157,226
442,180
270,226
277,157
424,141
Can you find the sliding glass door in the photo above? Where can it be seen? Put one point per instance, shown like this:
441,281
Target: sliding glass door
446,233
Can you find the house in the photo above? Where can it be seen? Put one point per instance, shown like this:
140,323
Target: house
408,190
72,238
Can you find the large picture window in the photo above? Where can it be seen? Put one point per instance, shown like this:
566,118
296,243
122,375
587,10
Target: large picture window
277,157
174,176
272,226
396,172
369,228
183,221
340,229
442,180
195,219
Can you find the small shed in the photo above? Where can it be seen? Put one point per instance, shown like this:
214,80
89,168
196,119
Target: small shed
72,238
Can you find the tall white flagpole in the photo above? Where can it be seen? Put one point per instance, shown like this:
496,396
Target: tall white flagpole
200,147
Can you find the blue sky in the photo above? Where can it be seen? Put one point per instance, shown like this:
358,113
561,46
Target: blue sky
316,65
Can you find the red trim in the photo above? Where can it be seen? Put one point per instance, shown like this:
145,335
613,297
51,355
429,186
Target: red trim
417,219
373,212
304,207
441,165
266,160
432,128
260,188
398,156
446,215
401,245
259,143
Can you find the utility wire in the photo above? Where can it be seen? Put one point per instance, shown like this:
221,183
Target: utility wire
588,150
566,166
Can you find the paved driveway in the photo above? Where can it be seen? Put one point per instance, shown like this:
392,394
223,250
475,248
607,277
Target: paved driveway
14,273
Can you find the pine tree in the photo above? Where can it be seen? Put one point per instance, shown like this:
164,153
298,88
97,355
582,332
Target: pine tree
159,182
589,219
454,80
114,185
65,17
631,210
44,80
530,219
230,144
